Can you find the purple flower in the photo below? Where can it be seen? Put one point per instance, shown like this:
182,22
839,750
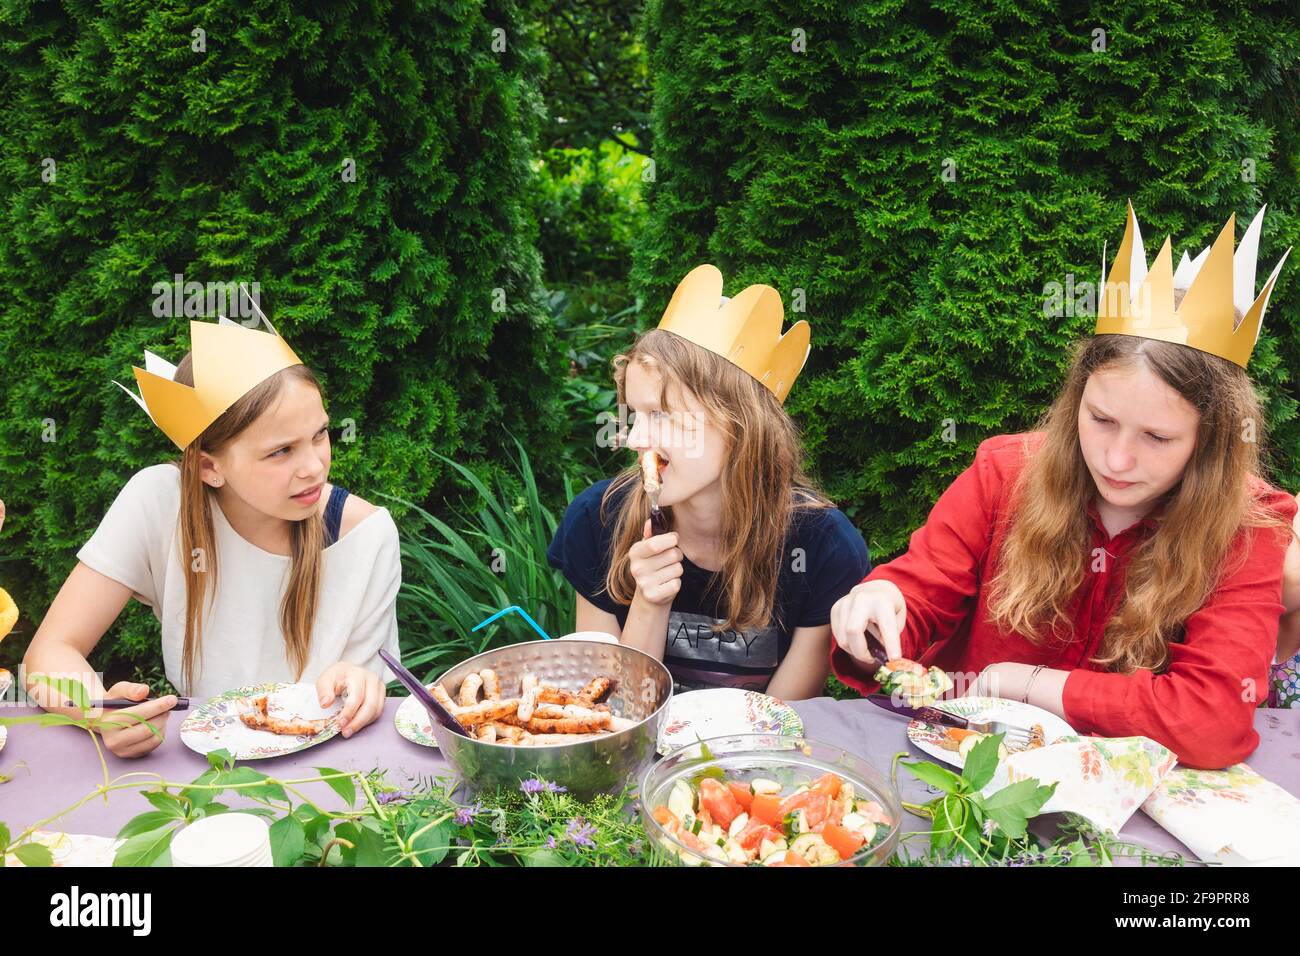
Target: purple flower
388,796
550,843
534,785
580,831
465,815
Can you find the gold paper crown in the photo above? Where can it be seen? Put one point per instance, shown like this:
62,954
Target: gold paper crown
229,361
1135,301
745,330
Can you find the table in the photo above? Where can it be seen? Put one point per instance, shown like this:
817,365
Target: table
54,767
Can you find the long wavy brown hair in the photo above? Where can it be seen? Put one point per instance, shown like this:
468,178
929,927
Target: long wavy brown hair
198,539
1171,574
763,481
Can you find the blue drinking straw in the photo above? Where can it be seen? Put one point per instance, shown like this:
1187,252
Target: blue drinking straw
507,610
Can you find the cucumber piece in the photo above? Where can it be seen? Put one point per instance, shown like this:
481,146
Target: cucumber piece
967,744
681,800
765,787
814,849
736,853
855,821
737,824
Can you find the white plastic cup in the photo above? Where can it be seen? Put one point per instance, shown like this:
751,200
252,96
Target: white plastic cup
601,636
227,839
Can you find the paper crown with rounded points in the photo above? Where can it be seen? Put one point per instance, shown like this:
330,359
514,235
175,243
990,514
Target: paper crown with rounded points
745,329
1136,301
229,361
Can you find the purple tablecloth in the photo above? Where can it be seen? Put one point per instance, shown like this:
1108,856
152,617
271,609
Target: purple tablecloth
54,767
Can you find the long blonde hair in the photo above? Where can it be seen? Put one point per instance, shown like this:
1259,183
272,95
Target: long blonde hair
1041,564
198,538
763,481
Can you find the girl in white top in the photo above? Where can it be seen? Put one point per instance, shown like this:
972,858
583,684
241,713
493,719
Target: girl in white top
260,597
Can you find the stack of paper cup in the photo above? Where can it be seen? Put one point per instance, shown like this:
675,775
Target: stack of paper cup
227,839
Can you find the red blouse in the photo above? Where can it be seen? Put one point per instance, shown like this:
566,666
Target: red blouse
1202,707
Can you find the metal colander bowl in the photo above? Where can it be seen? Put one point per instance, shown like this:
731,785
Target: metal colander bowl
604,764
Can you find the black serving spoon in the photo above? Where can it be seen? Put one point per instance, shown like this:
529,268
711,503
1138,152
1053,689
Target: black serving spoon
436,710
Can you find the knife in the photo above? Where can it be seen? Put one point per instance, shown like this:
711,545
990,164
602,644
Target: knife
932,715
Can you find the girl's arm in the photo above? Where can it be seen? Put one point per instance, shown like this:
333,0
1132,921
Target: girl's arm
1015,681
588,617
646,628
85,608
1202,707
938,577
803,672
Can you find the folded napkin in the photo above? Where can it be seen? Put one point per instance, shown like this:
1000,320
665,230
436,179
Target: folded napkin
1232,816
1102,779
74,849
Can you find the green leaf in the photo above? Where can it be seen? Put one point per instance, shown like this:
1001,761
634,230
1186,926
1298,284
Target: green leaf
935,776
66,688
4,842
317,827
946,812
431,846
145,823
352,833
34,854
342,785
247,775
542,857
981,762
45,720
1013,806
221,760
288,840
370,848
144,849
201,798
168,803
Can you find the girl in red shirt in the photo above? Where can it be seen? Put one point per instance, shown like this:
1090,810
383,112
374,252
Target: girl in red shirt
1121,567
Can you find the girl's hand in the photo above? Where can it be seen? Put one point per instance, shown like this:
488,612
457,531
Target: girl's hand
2,514
126,737
876,606
656,565
364,691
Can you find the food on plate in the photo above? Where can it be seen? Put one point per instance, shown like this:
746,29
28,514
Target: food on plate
961,741
257,717
540,715
918,685
756,821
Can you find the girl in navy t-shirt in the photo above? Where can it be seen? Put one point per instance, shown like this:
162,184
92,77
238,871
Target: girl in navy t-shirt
739,592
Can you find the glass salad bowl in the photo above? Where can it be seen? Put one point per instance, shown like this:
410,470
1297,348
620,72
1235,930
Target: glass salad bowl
764,799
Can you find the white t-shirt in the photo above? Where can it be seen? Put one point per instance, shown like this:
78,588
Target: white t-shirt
137,544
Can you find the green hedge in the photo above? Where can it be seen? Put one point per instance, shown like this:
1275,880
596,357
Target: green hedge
229,164
824,170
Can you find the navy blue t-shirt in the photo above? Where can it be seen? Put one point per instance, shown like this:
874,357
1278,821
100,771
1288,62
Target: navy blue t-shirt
824,558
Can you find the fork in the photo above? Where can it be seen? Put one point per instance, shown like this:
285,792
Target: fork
1017,738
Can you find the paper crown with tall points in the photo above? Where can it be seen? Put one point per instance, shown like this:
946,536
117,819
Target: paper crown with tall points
229,360
1135,301
745,330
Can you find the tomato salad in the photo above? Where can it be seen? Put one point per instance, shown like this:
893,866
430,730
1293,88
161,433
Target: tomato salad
733,821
